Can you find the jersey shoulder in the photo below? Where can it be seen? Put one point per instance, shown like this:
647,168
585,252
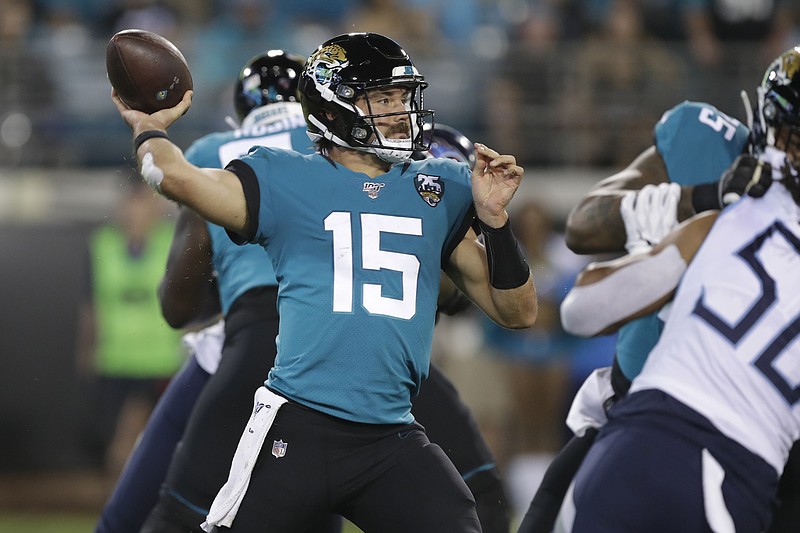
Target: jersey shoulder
698,142
274,153
204,152
216,150
447,169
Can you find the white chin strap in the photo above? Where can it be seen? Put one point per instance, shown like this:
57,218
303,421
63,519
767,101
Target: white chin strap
392,151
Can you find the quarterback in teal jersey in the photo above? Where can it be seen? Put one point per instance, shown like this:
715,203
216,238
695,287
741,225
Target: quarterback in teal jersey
207,274
358,234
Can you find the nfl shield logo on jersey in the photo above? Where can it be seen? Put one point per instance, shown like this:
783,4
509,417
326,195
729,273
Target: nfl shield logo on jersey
279,448
430,188
372,189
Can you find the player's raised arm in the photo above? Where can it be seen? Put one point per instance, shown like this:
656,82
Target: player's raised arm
214,194
595,225
495,276
187,292
680,175
609,294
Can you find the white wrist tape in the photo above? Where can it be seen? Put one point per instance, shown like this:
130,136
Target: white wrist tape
151,173
589,309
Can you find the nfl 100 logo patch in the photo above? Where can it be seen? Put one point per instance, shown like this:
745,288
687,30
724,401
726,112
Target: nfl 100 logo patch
279,448
372,189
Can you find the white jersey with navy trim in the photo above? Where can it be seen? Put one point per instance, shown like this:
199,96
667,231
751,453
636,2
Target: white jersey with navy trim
730,349
358,264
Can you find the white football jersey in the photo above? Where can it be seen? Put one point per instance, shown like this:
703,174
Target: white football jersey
731,346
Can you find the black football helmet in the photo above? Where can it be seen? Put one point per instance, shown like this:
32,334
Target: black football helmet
777,116
345,68
268,78
778,103
447,142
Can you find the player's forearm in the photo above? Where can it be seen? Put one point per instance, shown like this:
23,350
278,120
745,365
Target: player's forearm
515,308
595,225
185,303
610,294
510,282
187,292
633,285
214,194
509,301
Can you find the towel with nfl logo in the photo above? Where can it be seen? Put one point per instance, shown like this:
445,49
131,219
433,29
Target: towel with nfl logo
230,496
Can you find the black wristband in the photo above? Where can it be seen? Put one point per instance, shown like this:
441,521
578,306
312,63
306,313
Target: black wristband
150,134
705,197
508,268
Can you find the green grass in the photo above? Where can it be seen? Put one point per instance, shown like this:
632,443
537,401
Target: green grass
18,522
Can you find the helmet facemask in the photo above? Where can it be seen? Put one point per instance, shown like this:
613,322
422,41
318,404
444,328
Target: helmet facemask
366,130
360,127
777,113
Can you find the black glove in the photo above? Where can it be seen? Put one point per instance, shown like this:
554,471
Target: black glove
747,175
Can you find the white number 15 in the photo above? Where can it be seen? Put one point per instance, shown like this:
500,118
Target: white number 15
373,258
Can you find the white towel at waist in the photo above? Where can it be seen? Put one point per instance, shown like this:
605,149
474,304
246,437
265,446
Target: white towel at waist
206,345
230,496
588,406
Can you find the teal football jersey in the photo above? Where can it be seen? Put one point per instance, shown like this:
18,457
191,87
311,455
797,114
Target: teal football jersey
358,262
697,143
240,268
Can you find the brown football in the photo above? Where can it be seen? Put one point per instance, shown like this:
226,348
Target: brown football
148,72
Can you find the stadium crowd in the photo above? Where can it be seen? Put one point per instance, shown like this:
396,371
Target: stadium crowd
559,82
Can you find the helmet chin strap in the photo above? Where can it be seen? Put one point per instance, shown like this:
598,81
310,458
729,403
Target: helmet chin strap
326,133
396,150
391,150
391,155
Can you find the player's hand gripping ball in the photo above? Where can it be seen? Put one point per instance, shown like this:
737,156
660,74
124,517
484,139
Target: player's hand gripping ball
148,72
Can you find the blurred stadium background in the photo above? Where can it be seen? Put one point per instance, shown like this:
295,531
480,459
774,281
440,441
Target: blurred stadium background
571,87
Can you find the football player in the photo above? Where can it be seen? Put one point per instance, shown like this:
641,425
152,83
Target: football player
208,273
677,177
